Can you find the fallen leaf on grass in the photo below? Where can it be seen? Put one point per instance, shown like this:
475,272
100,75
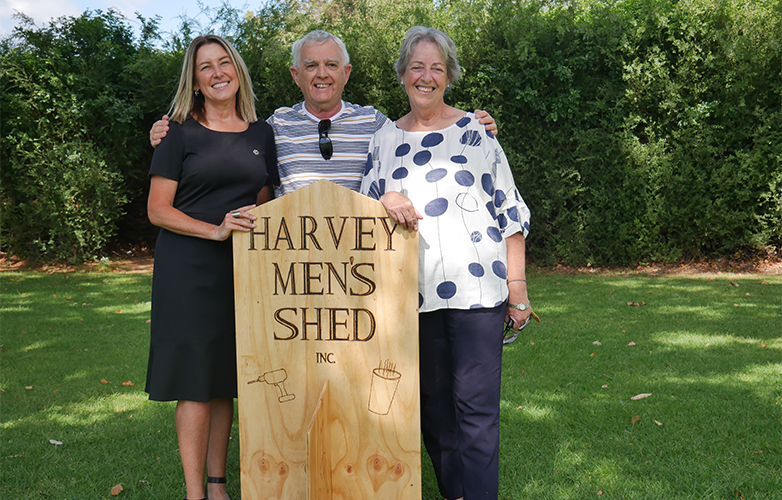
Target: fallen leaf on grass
116,489
636,304
635,419
658,422
119,312
763,346
759,451
55,442
104,381
765,283
592,355
641,396
631,344
734,284
128,382
28,387
605,386
597,342
740,494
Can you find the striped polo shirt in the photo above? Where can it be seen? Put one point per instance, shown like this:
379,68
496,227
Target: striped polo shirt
298,155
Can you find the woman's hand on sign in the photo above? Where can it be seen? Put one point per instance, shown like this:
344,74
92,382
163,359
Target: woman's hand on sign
236,220
401,209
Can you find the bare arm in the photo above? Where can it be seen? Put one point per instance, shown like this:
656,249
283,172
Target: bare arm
517,276
161,211
264,195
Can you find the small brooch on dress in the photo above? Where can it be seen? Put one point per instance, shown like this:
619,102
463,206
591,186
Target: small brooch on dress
256,152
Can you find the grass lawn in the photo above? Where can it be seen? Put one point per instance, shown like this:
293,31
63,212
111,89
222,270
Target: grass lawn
75,419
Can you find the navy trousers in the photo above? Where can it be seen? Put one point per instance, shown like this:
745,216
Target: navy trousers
461,363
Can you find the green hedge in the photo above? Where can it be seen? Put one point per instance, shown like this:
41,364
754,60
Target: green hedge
638,130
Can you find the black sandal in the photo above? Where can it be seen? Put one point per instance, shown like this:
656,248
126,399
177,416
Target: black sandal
218,480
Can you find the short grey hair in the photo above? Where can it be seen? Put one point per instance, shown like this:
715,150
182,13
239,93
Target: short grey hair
318,37
418,34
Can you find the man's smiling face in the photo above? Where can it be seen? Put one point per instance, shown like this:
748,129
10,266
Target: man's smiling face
321,76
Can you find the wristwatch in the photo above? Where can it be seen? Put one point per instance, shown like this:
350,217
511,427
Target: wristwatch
520,307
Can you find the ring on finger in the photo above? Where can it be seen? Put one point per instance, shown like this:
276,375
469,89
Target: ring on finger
236,214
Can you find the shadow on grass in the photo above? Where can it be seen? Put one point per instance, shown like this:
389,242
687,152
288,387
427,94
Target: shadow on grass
708,353
74,353
711,427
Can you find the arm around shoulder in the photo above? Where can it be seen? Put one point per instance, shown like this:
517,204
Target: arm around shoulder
158,131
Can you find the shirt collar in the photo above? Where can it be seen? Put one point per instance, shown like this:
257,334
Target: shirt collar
305,111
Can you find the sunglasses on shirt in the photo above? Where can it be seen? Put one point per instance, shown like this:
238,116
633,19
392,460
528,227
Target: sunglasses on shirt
324,141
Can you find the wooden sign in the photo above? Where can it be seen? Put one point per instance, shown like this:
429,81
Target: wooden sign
327,348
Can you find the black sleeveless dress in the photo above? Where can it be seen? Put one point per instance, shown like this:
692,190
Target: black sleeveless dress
192,353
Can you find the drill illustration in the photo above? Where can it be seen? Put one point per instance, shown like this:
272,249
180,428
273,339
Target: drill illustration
276,378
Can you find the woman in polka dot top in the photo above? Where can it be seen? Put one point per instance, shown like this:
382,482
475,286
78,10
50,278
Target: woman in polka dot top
436,170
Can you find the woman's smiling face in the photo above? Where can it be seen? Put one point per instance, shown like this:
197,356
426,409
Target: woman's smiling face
426,75
215,74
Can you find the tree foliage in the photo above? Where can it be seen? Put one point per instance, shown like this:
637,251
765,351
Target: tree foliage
638,130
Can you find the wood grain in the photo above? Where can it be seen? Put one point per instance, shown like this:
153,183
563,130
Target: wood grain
327,290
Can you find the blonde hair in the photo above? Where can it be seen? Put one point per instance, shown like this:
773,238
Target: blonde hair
186,103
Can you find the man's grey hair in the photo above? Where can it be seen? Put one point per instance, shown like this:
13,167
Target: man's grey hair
418,34
318,37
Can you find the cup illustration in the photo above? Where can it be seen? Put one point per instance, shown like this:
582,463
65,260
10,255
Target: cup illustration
382,389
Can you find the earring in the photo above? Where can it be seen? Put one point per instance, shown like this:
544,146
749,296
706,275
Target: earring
197,93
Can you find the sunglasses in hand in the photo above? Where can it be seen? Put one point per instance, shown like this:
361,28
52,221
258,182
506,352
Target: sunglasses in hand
510,334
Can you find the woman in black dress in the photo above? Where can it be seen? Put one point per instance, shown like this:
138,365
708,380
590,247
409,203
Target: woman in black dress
217,162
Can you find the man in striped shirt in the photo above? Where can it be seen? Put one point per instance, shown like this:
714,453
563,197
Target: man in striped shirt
322,137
